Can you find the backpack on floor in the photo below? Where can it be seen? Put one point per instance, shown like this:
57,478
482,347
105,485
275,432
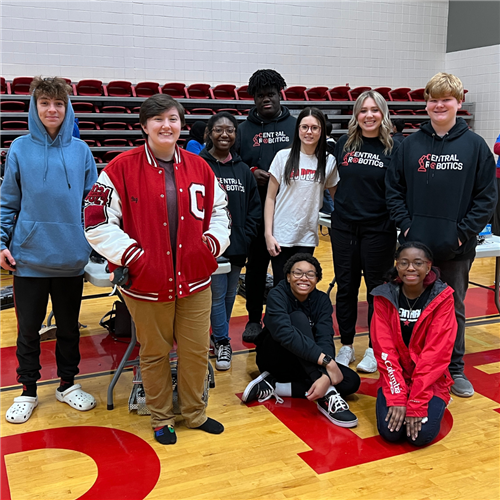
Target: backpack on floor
118,321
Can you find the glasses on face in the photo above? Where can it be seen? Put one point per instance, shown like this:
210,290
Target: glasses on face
417,264
314,128
310,275
221,130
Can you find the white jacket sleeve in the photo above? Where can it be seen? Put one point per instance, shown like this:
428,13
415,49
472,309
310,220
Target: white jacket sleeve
103,230
220,223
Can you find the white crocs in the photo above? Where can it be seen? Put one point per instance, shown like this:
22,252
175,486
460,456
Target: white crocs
76,398
21,410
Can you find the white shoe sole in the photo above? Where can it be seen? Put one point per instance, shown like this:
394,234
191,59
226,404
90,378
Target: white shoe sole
340,423
365,369
252,384
21,410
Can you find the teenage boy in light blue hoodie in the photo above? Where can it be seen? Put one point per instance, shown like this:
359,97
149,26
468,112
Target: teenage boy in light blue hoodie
47,176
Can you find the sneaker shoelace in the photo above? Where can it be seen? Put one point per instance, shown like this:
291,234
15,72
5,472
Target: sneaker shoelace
224,353
268,394
336,403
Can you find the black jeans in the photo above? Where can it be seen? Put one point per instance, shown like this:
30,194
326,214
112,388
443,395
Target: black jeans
31,297
429,430
279,261
356,249
456,274
287,367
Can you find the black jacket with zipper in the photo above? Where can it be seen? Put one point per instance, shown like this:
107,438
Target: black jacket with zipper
442,189
243,203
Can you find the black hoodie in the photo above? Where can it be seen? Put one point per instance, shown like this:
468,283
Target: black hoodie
243,203
259,139
443,189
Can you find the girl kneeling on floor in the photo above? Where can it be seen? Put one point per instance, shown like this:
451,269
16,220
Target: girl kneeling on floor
413,331
295,351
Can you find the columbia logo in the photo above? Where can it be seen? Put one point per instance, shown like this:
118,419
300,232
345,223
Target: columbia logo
384,356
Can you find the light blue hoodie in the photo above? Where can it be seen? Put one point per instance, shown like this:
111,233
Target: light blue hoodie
45,184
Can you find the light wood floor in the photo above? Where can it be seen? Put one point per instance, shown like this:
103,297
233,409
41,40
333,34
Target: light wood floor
257,457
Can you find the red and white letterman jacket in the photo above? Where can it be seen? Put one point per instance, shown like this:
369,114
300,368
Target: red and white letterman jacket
126,221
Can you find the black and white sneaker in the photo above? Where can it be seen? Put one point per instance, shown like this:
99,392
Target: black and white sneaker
261,389
224,354
335,409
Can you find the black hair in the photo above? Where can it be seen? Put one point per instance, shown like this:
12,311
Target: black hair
292,163
299,257
211,123
263,79
156,105
392,274
197,132
398,123
329,127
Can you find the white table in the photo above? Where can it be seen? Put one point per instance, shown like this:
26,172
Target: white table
489,248
97,275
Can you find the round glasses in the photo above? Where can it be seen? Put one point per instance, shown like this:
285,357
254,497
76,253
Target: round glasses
417,264
220,130
314,128
310,275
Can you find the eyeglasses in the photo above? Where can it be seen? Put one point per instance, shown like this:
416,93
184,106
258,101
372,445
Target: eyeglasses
314,128
220,130
310,275
417,264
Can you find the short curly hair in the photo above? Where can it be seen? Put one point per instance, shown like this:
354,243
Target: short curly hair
53,88
300,257
263,79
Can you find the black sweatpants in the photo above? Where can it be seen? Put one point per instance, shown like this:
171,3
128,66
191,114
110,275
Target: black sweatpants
31,296
367,249
285,366
279,261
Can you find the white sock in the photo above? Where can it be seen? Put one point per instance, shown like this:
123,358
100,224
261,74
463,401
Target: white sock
284,389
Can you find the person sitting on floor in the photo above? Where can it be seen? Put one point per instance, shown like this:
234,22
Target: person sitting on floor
295,351
413,333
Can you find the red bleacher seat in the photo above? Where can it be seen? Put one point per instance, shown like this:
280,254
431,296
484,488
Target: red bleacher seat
116,126
4,86
115,109
139,142
6,144
88,125
21,85
136,109
175,90
243,94
202,111
89,87
224,91
116,142
12,106
109,155
119,88
421,112
15,125
136,126
384,92
233,111
199,91
147,89
400,94
416,95
463,112
404,111
465,92
180,142
339,93
91,143
295,93
84,107
317,94
356,92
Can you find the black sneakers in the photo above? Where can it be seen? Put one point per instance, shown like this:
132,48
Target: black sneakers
252,331
223,352
335,409
261,389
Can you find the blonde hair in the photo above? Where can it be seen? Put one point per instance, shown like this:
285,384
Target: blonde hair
444,84
355,134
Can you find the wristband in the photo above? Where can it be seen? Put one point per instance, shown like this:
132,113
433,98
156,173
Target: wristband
253,169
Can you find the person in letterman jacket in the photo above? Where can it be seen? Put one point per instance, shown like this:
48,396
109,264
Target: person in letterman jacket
268,129
159,211
441,191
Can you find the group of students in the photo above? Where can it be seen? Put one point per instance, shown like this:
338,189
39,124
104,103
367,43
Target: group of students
253,196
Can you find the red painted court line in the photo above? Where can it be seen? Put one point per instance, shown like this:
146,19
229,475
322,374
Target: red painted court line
100,353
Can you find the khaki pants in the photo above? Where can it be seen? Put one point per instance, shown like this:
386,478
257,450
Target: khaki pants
158,324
